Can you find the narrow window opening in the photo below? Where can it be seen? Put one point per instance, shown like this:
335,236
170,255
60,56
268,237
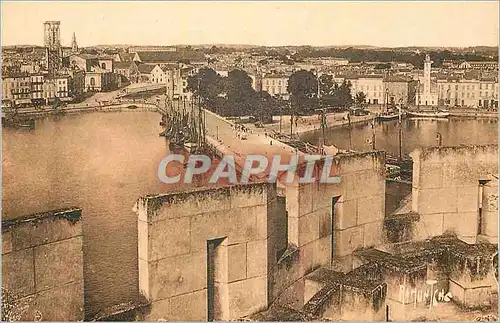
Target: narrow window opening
215,259
332,247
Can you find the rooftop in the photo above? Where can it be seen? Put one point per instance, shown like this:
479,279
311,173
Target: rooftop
145,68
169,56
122,65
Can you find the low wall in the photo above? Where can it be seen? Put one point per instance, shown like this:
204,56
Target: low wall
174,231
446,188
119,107
42,265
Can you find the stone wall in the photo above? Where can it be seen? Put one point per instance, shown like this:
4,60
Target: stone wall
344,216
446,188
173,233
489,206
359,213
42,265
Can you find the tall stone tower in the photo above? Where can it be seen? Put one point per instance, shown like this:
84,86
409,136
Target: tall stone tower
74,45
52,34
424,94
52,43
427,76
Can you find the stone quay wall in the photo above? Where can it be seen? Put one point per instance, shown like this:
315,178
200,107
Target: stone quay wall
42,265
446,187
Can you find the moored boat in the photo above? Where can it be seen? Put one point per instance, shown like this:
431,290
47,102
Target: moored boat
388,116
190,147
430,114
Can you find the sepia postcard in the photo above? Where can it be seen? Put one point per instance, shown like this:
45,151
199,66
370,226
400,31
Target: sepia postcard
249,160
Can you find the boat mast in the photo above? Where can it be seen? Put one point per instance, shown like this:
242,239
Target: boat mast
400,131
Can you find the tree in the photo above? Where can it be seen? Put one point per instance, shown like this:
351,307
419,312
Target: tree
360,99
340,96
267,104
207,84
239,92
325,84
303,87
213,50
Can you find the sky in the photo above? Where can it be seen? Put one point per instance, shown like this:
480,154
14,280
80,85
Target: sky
388,24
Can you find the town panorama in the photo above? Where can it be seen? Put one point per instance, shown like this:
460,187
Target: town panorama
329,170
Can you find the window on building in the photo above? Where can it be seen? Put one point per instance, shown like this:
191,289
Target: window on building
103,65
92,81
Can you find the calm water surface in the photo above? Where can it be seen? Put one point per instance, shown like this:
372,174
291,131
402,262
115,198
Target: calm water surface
415,133
103,162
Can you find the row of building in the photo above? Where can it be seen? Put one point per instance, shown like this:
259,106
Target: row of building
69,74
79,74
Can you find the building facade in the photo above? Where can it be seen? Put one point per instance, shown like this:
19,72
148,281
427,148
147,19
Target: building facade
37,81
398,90
16,89
371,85
456,91
276,85
99,81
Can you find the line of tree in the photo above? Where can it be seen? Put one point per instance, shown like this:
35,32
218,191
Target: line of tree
384,55
232,95
303,89
357,55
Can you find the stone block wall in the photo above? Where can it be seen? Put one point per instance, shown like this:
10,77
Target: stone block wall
445,188
359,213
344,216
42,264
489,216
173,233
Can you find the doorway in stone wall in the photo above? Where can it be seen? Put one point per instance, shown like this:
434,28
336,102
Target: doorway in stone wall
216,258
335,199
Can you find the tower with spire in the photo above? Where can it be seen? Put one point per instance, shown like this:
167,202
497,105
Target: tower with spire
74,46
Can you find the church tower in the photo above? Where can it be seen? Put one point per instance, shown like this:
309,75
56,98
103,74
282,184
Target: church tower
52,43
74,45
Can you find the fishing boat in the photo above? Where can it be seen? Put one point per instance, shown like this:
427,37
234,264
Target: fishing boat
388,116
175,146
190,147
430,114
390,112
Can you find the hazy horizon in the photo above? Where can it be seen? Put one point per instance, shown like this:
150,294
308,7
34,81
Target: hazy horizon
319,24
